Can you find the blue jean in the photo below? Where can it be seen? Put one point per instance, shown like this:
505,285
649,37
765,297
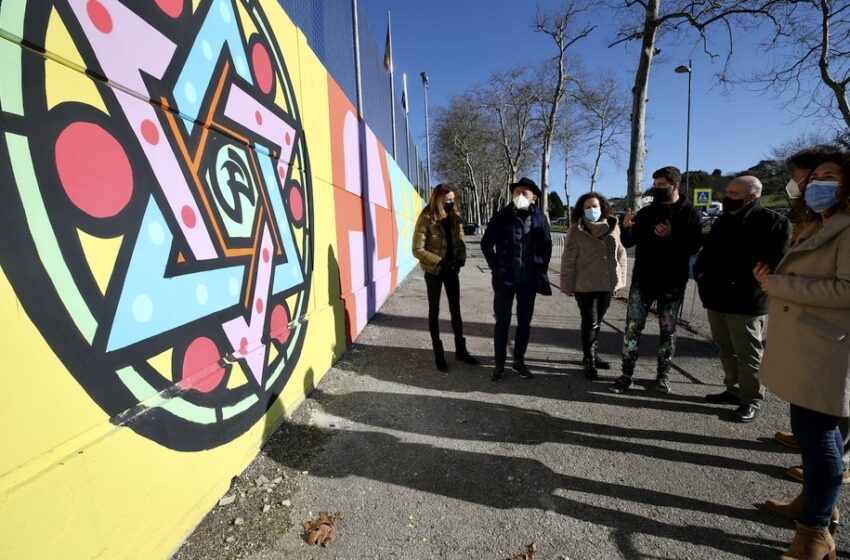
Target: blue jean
821,446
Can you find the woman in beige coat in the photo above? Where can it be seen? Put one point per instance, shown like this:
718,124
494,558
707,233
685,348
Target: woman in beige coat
807,360
593,266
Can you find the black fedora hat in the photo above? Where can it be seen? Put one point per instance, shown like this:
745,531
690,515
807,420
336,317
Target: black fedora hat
527,183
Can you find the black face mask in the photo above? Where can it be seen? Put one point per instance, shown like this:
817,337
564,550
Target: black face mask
731,204
449,207
662,194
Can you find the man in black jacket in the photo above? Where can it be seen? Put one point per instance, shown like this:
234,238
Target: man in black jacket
666,233
746,234
517,246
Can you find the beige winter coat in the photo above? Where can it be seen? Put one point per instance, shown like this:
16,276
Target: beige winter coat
807,359
590,264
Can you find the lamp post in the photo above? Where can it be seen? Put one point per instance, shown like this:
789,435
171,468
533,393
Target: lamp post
689,71
424,77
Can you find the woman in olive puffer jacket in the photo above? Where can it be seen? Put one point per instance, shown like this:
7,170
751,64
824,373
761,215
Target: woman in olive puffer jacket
439,246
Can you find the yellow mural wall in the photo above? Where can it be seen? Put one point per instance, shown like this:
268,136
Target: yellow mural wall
186,214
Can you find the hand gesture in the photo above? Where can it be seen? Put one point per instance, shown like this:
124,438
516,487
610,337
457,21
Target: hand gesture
762,273
628,220
663,230
568,292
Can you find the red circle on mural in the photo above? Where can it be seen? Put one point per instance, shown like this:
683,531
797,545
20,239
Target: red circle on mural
94,169
279,323
281,171
201,370
265,255
287,139
188,216
99,16
243,345
171,7
258,116
296,202
262,67
150,132
259,305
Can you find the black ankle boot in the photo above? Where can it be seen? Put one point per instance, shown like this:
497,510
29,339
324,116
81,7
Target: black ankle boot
590,368
461,353
440,357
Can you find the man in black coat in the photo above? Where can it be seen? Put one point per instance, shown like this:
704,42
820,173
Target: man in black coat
665,233
745,235
517,246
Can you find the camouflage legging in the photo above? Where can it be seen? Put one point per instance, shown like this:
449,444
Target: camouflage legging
669,302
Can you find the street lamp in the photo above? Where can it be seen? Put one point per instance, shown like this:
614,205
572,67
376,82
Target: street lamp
424,77
689,71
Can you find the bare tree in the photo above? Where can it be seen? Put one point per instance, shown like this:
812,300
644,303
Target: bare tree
810,54
607,116
509,96
648,20
564,29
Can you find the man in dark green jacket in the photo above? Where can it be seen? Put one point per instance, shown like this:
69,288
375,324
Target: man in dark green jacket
745,235
665,234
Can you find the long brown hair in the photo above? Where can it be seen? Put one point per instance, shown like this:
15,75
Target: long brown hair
438,198
843,161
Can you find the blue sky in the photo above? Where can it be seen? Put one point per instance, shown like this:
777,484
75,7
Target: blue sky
460,42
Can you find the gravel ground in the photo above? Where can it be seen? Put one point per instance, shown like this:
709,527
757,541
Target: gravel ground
425,465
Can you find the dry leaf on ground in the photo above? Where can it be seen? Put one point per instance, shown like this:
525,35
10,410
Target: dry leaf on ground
322,530
527,555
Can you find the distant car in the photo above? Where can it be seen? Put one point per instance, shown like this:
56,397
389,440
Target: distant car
560,222
470,228
787,212
714,209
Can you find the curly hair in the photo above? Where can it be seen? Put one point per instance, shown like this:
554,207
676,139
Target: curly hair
578,210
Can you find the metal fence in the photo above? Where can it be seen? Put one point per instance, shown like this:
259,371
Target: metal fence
329,28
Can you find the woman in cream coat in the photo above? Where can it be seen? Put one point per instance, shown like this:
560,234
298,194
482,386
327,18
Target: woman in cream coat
593,266
807,359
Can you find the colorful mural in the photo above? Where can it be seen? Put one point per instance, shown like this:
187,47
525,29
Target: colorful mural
189,205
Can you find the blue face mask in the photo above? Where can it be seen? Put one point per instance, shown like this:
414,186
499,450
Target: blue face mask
821,195
593,213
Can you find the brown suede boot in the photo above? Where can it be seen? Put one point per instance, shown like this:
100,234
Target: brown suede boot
792,509
810,543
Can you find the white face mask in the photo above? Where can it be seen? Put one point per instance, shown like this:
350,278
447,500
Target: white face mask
521,202
793,189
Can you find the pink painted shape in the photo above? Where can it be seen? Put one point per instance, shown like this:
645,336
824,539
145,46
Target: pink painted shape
237,329
377,187
123,60
351,152
243,108
356,258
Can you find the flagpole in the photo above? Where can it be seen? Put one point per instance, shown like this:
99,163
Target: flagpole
357,81
392,85
405,102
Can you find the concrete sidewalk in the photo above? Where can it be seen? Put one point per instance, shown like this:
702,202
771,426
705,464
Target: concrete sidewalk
426,465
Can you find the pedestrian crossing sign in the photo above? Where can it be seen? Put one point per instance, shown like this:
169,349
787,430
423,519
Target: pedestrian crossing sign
702,197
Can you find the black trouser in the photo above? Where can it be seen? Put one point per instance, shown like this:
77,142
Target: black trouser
435,283
503,300
592,306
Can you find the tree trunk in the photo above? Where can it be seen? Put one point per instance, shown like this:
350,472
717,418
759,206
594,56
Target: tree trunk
637,150
595,176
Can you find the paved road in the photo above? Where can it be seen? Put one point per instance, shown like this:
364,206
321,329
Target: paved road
426,465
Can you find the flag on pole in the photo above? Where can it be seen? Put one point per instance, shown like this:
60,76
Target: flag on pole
388,53
404,92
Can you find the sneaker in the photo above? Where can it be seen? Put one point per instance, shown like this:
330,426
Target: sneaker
746,412
621,385
662,385
722,398
787,439
797,474
522,369
498,373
